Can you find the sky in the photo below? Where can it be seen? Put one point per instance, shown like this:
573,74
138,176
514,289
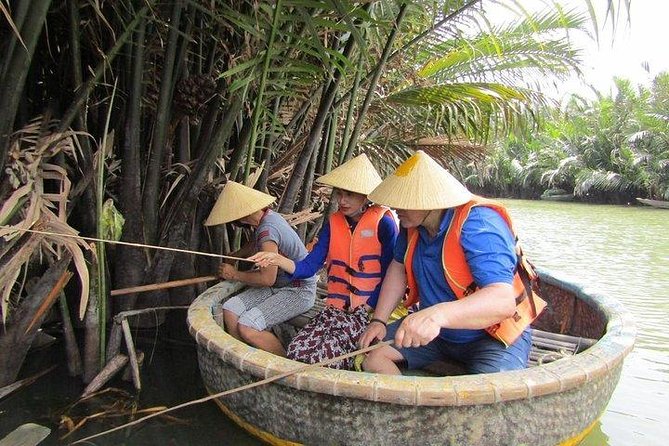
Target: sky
645,39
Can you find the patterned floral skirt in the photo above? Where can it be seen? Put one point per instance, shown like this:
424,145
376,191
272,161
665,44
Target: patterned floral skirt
331,333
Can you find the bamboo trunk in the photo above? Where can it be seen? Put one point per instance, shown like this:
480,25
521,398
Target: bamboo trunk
294,184
371,90
131,262
18,336
71,347
92,330
305,198
15,70
134,363
153,175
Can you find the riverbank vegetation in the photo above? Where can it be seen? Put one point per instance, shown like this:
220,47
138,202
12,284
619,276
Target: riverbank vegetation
125,118
608,150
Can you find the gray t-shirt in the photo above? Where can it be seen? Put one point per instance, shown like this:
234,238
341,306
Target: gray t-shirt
273,227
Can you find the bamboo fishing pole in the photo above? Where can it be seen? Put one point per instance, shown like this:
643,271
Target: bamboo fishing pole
239,389
137,245
148,287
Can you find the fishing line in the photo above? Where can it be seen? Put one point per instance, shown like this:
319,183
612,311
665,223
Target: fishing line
114,242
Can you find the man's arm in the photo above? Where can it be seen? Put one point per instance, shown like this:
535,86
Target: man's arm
485,307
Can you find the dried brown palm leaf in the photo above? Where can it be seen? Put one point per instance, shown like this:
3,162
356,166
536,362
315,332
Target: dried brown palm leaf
15,201
39,201
8,17
14,258
446,149
304,216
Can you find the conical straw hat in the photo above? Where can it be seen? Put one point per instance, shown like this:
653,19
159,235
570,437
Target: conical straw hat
235,202
420,184
356,175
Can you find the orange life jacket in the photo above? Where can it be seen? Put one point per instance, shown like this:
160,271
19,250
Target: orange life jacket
459,277
354,259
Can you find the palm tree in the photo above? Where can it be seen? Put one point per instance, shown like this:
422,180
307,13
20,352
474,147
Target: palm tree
204,94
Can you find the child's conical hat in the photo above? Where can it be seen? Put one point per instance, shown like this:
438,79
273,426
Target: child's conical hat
237,201
420,184
356,175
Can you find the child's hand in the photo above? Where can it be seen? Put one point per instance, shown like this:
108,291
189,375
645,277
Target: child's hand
227,272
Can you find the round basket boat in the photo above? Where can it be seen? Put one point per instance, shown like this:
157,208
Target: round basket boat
554,403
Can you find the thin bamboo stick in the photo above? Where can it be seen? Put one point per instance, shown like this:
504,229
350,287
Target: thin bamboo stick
163,285
126,314
128,372
115,337
303,368
131,354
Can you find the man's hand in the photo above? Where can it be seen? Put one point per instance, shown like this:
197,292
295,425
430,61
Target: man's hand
375,332
420,328
227,272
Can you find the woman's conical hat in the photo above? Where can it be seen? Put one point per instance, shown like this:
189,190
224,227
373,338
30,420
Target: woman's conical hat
237,201
356,175
420,184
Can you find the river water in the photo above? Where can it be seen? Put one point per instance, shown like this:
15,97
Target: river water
622,251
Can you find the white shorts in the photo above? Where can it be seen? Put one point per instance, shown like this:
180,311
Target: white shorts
263,307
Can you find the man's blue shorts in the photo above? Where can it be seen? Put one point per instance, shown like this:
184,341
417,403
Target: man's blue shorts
486,355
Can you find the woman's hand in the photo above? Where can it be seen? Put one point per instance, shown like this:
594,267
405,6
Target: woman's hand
268,258
375,332
264,258
420,328
227,271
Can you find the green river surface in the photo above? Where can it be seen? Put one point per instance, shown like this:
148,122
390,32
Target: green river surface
623,252
620,251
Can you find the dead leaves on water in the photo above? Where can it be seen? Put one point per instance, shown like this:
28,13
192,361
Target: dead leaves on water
107,408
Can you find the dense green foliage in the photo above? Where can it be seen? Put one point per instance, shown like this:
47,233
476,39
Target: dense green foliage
611,149
166,100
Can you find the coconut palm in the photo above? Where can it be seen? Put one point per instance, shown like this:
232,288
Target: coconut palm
209,91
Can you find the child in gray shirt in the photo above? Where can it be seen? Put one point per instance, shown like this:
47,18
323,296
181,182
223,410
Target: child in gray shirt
271,297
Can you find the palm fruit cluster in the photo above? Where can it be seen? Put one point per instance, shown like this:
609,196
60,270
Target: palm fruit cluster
192,93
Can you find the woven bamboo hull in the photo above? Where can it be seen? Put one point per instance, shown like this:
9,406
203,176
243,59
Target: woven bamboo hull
551,404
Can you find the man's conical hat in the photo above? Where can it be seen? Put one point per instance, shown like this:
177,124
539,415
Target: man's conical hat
355,175
420,184
237,201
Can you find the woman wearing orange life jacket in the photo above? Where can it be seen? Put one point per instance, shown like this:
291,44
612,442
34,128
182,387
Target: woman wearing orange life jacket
458,257
356,244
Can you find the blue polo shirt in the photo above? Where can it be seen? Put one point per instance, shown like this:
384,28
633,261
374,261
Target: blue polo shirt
489,248
387,233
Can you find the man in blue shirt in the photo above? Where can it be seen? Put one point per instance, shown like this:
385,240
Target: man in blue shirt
452,235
